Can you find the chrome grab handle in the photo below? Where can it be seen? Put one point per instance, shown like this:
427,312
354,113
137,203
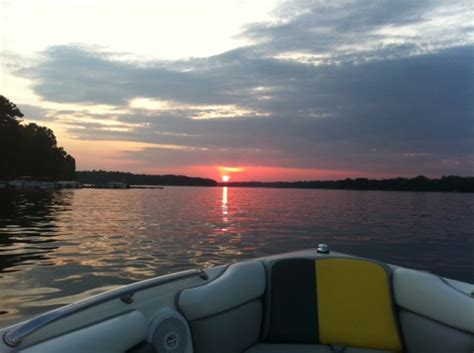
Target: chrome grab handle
14,337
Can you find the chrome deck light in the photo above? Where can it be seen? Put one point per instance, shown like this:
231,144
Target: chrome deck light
323,249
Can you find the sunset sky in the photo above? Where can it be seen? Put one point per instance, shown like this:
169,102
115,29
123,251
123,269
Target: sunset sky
258,90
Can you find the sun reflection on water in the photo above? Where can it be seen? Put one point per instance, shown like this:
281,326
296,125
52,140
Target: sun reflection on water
225,202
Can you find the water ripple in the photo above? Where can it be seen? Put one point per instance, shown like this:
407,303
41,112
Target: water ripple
58,247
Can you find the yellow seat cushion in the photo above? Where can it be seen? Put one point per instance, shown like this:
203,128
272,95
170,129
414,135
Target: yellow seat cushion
355,306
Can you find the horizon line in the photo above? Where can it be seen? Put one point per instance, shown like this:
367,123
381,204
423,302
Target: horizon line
282,181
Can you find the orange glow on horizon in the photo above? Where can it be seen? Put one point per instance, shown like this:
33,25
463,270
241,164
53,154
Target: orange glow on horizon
252,173
113,155
225,172
230,169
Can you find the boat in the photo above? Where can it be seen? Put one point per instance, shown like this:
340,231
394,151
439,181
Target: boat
313,300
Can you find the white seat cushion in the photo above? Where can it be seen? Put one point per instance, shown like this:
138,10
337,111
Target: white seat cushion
435,298
239,284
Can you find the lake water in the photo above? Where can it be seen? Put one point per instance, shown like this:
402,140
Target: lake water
58,247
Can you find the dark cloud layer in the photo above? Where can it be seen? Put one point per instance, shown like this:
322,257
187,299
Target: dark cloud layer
393,108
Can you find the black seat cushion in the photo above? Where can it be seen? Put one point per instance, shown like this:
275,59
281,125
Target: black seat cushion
293,316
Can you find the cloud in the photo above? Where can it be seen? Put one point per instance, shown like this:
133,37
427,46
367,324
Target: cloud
364,29
378,86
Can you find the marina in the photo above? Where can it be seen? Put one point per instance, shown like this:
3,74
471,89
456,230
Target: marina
29,184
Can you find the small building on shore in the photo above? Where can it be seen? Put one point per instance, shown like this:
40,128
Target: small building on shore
112,185
68,185
29,184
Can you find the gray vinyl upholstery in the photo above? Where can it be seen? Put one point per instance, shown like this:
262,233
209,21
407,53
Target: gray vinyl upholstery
225,315
423,335
114,335
430,296
229,332
436,315
239,284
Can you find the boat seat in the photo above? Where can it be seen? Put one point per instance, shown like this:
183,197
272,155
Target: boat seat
225,315
436,314
295,305
345,302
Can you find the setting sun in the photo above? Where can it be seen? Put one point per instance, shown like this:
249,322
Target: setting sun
225,178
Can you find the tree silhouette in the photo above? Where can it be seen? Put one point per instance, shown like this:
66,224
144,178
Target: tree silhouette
420,183
30,150
102,176
9,112
9,136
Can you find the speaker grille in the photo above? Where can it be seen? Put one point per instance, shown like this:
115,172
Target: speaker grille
170,333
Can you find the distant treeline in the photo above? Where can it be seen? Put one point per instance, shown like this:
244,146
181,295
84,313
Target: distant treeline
29,149
101,176
420,183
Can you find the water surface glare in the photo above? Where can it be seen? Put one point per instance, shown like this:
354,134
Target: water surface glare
61,246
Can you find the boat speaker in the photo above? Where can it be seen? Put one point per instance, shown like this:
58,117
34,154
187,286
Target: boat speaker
169,333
